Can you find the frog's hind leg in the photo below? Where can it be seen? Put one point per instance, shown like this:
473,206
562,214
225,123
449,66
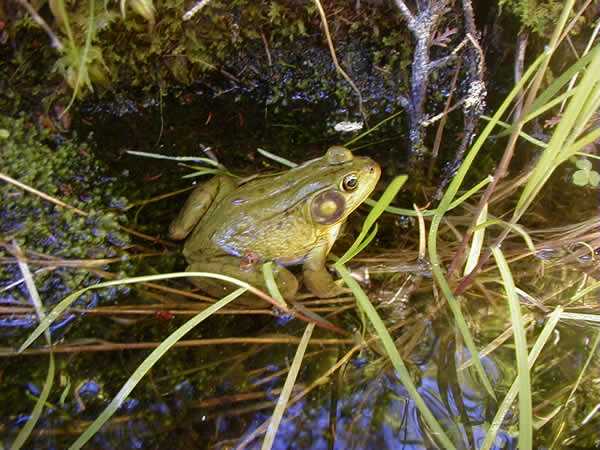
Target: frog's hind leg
230,266
198,203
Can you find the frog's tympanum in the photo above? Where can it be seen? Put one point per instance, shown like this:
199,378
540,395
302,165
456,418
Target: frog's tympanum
290,218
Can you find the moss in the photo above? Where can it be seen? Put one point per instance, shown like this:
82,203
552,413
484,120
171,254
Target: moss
539,16
65,170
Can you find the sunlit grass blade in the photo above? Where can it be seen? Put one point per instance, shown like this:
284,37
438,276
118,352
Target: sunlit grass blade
431,212
445,203
200,172
392,352
365,242
592,318
267,270
586,140
274,157
514,227
558,149
67,301
199,159
510,396
38,408
524,135
525,407
584,292
147,364
378,208
373,128
286,391
476,242
36,412
560,82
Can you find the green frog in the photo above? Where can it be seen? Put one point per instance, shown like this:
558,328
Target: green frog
290,218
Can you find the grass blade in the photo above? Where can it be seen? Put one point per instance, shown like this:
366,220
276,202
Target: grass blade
370,130
394,355
378,208
267,270
584,292
288,386
514,388
67,301
558,148
38,408
593,318
525,408
477,242
147,364
444,206
560,82
199,159
279,159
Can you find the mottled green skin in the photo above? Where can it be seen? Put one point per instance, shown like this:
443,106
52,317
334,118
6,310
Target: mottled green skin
290,218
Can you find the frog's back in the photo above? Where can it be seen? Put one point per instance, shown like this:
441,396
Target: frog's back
264,217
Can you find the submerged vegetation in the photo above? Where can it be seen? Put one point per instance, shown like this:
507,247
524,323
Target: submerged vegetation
471,315
55,237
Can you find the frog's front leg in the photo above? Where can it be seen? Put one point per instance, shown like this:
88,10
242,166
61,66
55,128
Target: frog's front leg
198,203
232,266
316,278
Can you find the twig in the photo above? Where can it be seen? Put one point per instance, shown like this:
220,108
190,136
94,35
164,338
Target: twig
77,210
500,172
335,60
408,15
519,65
194,9
116,346
267,51
444,115
55,42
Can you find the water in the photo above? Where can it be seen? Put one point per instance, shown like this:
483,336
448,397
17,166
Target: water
217,396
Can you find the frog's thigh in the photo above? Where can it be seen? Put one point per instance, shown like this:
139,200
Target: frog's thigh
201,198
316,278
230,266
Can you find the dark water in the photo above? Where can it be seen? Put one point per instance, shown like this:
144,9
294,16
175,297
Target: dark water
215,397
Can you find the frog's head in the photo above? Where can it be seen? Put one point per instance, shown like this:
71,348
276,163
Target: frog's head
349,181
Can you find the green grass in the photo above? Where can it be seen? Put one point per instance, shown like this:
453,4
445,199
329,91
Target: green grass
68,301
147,364
286,391
392,352
38,408
516,318
369,228
510,396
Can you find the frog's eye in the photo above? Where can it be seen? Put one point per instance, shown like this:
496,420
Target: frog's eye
350,182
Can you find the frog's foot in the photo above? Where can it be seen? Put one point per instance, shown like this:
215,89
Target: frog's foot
230,266
320,283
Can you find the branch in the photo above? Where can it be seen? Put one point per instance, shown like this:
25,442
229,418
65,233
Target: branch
408,16
42,23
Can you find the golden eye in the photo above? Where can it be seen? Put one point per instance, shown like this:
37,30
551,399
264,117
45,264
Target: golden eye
350,182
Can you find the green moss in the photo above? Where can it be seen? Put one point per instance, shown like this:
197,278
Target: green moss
67,171
539,16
